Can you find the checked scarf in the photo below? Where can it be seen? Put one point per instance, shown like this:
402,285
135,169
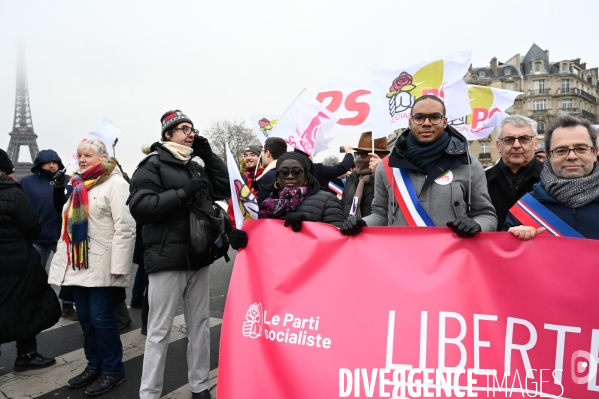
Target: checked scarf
76,214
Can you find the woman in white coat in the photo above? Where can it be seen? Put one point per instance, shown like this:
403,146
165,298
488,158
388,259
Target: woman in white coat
94,255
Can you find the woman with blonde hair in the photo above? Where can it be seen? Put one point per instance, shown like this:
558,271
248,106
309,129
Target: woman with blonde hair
93,256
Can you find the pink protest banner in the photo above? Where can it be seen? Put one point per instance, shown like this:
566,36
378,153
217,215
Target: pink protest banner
318,314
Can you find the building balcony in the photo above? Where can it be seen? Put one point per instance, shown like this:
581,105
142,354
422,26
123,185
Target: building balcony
543,111
567,90
484,156
539,92
570,110
589,115
588,96
541,131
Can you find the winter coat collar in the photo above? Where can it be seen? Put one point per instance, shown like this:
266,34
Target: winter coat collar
8,183
543,196
535,171
456,154
165,155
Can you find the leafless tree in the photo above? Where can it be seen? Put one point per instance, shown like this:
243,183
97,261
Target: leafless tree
232,132
330,160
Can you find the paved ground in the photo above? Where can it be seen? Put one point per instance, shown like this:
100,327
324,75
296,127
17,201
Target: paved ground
64,341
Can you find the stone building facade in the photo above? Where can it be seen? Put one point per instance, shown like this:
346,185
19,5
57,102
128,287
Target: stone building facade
549,87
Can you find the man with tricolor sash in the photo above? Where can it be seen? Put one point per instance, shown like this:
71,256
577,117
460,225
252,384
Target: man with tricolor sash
429,179
565,203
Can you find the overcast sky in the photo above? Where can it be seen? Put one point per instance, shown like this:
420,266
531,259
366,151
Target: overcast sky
133,60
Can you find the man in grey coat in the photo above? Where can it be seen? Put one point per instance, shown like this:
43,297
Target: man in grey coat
449,184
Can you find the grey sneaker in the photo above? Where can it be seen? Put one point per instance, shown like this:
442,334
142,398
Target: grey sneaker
69,312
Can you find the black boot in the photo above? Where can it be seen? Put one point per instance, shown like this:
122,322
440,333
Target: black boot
205,394
104,384
33,361
84,379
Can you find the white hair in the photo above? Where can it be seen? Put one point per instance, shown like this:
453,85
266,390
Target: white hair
96,146
520,121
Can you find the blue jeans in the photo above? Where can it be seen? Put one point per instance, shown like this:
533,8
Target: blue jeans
102,344
139,285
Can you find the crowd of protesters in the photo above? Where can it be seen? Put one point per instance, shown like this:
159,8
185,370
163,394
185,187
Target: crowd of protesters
97,223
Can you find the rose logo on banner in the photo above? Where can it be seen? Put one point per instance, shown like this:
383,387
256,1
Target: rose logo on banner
252,326
247,201
399,95
266,125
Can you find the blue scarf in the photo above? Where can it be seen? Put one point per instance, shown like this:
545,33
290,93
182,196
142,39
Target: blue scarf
426,157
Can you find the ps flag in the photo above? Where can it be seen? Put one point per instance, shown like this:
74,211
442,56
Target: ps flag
244,203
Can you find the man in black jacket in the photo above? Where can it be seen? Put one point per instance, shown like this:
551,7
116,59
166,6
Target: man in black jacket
162,189
518,169
324,173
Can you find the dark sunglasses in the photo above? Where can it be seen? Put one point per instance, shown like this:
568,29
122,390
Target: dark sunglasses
296,172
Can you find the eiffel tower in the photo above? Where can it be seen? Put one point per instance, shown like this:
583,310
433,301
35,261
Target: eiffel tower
22,132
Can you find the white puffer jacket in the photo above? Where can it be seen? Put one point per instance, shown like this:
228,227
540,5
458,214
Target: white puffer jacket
111,233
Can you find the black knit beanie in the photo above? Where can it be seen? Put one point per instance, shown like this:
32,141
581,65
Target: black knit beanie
300,157
171,119
6,165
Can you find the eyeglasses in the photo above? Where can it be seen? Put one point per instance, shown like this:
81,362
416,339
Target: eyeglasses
187,130
296,173
563,152
509,140
434,119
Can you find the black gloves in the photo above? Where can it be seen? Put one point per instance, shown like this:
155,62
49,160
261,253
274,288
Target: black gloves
295,220
238,239
352,226
58,179
195,185
464,227
201,147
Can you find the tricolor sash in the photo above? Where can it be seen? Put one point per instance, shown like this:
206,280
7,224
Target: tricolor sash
531,212
406,197
336,189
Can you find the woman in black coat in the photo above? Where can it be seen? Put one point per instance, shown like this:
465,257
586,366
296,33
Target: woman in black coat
28,305
295,197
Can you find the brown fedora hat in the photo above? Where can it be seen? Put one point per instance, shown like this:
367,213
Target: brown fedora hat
365,143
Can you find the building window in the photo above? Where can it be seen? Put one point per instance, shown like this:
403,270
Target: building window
539,105
590,79
509,85
564,67
575,71
537,67
565,85
541,127
567,103
484,148
482,74
507,71
540,85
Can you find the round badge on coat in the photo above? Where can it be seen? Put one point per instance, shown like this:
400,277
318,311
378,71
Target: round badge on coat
445,178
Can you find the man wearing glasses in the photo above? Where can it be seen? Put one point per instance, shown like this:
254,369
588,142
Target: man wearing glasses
566,200
162,189
518,169
429,179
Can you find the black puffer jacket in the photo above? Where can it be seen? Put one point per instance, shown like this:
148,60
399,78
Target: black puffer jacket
158,202
321,207
28,305
351,184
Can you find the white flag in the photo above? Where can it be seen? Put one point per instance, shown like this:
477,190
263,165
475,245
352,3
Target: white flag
263,125
244,203
349,101
394,91
105,131
487,110
305,123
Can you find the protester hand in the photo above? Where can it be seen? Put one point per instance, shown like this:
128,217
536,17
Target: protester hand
526,233
295,220
374,161
201,147
238,239
58,179
348,149
465,227
195,185
352,226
